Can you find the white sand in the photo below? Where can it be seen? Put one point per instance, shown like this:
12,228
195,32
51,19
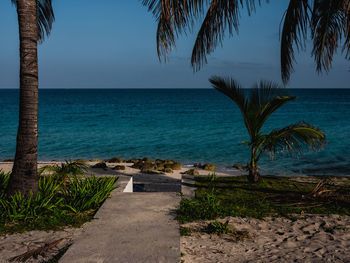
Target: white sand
311,238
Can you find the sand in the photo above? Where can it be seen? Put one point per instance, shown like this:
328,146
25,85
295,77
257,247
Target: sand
309,238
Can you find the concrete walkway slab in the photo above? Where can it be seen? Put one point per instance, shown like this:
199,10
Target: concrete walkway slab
130,227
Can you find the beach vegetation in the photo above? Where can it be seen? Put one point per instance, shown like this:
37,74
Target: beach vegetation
256,107
328,22
218,197
55,205
35,18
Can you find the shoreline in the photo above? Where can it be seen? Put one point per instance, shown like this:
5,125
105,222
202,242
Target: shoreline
221,170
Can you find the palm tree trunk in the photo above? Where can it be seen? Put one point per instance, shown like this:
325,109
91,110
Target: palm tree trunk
24,177
253,175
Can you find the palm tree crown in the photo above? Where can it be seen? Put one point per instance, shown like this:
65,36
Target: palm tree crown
264,99
328,20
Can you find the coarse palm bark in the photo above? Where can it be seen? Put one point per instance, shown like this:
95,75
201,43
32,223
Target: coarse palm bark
35,18
24,177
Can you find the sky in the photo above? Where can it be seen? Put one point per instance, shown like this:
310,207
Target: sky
112,44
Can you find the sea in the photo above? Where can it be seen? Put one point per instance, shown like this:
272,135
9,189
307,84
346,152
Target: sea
187,125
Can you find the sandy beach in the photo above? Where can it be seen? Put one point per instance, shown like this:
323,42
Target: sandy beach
307,238
303,238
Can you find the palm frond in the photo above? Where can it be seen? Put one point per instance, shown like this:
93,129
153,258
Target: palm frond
295,22
45,17
234,91
346,11
177,16
221,14
293,139
264,99
173,17
327,25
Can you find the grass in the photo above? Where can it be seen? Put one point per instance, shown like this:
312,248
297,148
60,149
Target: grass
235,196
58,203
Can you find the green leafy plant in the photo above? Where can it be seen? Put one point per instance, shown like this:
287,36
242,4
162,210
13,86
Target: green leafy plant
206,207
55,204
87,194
263,100
219,228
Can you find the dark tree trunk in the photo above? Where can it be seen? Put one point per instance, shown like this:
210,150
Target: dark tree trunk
24,177
254,175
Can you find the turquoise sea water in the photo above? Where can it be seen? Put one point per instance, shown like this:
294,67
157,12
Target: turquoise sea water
187,125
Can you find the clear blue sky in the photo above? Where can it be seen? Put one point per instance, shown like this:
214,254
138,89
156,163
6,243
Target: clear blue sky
111,44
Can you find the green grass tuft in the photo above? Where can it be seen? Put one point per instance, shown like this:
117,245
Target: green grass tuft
218,197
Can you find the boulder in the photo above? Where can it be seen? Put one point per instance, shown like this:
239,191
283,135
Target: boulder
115,160
174,166
209,167
133,160
198,165
101,165
82,161
150,171
147,160
168,170
160,167
118,167
192,172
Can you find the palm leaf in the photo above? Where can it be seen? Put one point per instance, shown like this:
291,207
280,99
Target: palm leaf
234,91
327,25
221,13
264,99
45,17
346,11
177,16
293,139
295,22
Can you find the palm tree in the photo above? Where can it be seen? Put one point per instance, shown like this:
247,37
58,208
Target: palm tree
264,99
35,18
328,20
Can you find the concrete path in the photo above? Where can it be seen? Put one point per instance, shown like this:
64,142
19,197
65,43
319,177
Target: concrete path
130,227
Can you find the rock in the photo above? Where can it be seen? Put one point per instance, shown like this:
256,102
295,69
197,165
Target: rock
119,167
168,170
115,160
160,167
174,166
147,160
159,161
9,160
101,165
192,172
168,162
209,167
150,171
137,165
198,165
133,160
96,160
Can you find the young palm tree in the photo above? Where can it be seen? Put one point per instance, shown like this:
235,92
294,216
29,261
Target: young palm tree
35,18
264,99
329,21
